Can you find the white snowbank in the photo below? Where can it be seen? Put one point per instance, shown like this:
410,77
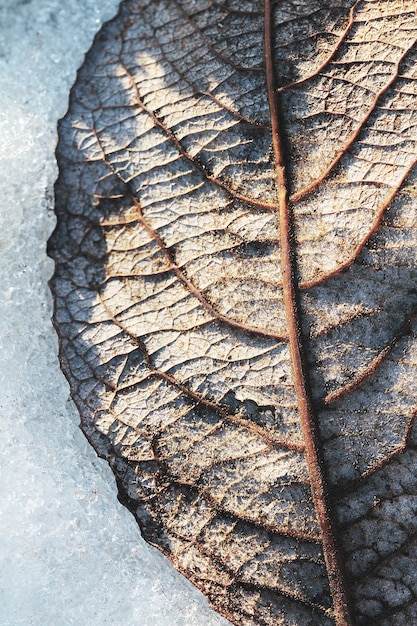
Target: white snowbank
69,553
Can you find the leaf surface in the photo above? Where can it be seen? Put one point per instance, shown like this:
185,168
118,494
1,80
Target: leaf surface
236,295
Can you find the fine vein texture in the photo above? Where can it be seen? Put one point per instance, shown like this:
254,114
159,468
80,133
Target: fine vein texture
236,295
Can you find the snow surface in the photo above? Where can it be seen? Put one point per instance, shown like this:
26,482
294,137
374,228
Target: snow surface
69,552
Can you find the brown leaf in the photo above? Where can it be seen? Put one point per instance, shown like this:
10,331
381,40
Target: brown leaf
236,295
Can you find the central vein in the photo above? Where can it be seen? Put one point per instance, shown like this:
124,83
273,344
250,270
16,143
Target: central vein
332,557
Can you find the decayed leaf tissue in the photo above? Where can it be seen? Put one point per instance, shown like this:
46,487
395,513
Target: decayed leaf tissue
236,295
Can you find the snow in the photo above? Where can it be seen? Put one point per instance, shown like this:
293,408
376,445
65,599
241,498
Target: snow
69,552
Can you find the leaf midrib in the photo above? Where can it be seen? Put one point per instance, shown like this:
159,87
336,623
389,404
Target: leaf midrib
333,559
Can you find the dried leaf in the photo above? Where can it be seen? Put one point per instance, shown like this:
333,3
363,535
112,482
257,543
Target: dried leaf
236,295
